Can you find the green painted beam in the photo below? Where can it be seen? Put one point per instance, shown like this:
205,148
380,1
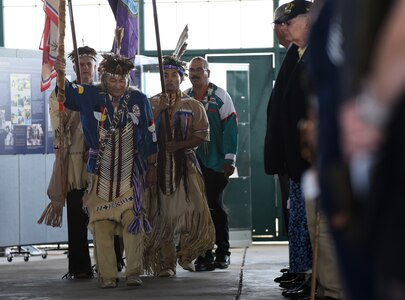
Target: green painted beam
1,24
141,28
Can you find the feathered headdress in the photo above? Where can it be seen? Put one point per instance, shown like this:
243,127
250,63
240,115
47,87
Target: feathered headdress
174,61
115,63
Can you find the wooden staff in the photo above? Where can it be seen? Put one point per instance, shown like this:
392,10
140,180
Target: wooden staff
315,253
75,49
61,76
61,51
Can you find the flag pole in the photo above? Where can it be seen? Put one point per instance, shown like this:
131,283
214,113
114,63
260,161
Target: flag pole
159,49
162,78
75,49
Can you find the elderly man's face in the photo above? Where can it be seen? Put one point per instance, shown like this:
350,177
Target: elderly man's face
198,73
116,85
298,29
282,34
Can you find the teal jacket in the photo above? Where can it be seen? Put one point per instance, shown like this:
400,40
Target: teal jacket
223,144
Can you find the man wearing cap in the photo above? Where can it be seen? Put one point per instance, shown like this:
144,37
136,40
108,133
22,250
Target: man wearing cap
279,28
118,127
180,206
287,107
298,23
77,177
273,143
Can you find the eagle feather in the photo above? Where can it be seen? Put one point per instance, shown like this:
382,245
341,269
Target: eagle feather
181,44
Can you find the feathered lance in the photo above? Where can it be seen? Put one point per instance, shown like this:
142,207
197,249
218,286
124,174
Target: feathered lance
159,53
159,48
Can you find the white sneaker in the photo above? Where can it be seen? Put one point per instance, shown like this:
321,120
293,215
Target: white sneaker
167,273
134,281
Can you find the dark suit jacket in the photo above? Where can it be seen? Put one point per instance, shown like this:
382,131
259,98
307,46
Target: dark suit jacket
286,107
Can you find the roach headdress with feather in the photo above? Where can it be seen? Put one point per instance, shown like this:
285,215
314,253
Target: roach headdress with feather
115,63
174,61
83,51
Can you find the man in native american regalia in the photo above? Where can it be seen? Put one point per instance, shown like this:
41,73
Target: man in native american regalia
119,129
77,219
177,206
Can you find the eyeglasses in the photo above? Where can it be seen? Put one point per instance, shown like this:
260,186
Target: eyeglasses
198,70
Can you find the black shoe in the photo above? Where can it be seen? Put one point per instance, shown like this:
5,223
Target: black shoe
78,275
120,265
83,275
203,264
300,292
222,262
287,277
289,285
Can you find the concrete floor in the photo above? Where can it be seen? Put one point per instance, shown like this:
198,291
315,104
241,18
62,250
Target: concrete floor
250,276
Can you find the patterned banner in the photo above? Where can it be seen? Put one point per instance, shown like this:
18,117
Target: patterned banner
126,16
49,43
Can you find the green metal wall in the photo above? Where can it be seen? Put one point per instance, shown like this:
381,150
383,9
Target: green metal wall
263,210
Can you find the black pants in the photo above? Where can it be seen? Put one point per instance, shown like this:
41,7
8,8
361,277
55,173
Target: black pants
77,220
215,184
119,251
285,194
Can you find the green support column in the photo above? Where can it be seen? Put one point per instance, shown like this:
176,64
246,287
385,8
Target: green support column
141,28
1,25
276,45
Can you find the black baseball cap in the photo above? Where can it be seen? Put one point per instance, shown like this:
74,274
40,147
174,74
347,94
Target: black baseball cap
279,12
293,9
